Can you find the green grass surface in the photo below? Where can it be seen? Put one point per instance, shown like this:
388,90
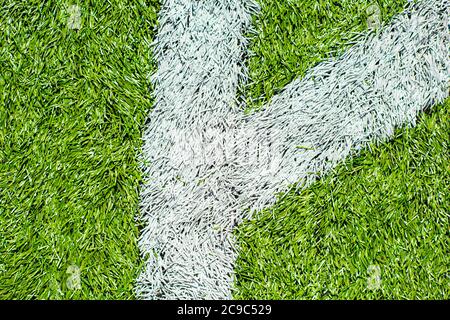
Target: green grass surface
72,104
384,212
388,208
294,35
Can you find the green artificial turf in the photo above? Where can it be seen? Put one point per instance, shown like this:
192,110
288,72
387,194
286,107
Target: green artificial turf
387,209
72,105
294,35
375,227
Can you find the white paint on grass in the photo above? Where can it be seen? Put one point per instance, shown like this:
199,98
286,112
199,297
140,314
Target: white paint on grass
188,203
342,105
208,163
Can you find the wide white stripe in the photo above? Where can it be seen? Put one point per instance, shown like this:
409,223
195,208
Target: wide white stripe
187,203
209,162
342,105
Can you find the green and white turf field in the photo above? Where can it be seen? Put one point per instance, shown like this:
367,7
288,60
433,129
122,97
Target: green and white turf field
385,211
72,109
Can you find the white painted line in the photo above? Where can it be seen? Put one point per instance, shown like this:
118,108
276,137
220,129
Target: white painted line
342,105
187,203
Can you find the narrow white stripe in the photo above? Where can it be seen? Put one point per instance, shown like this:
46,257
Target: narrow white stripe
208,161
